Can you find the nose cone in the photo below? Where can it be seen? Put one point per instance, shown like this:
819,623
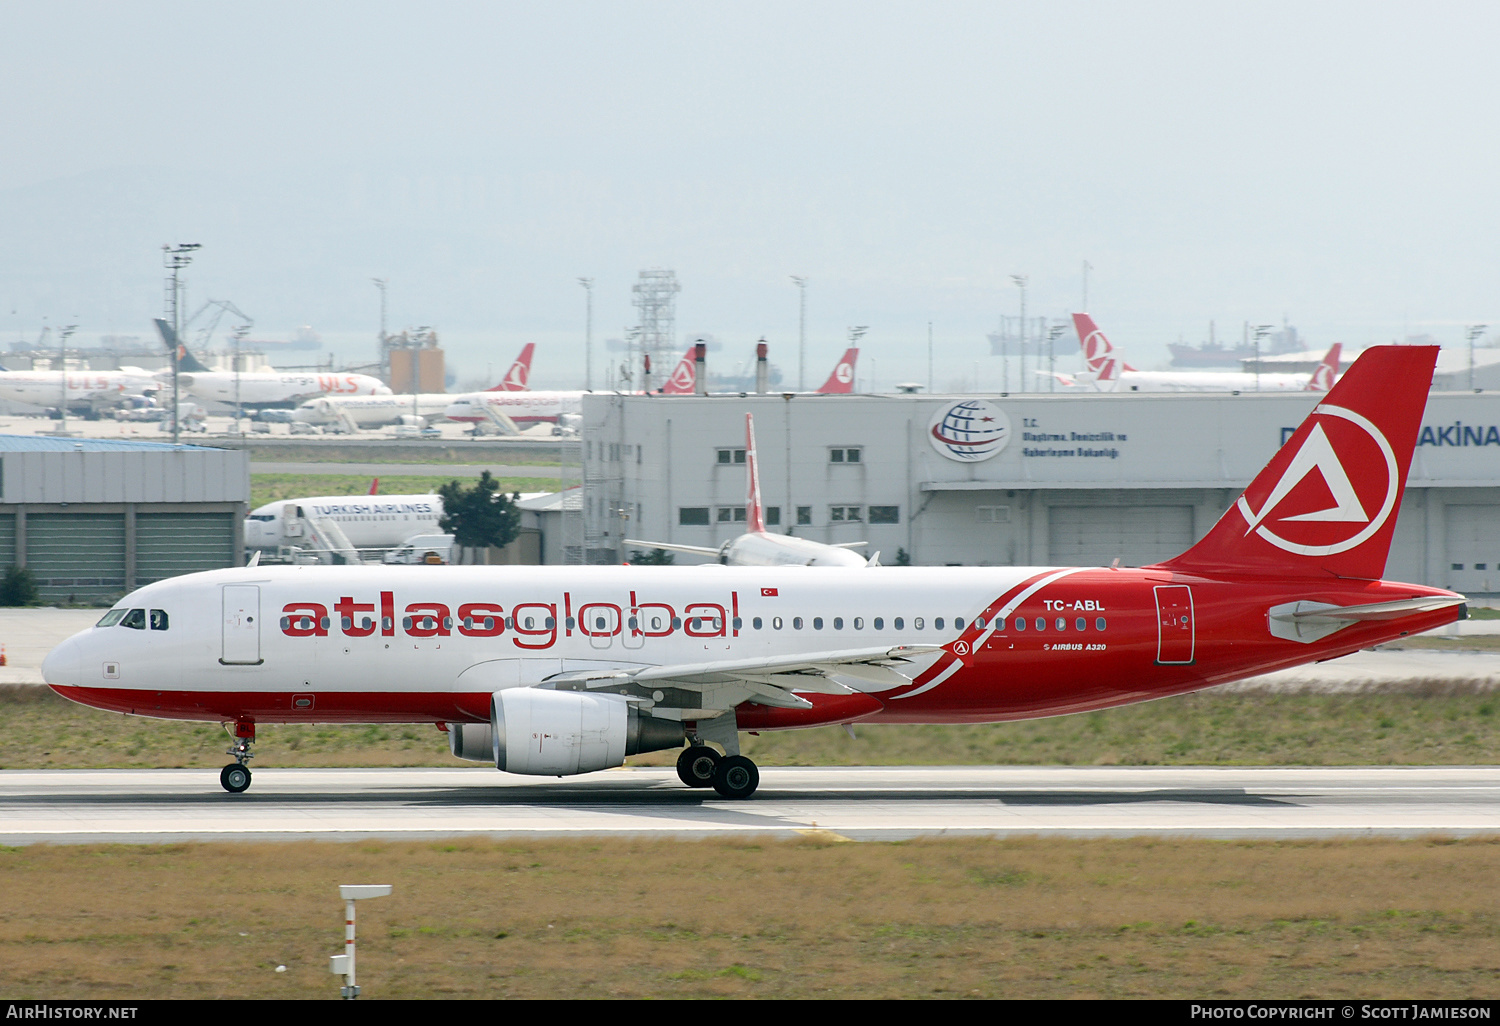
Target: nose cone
62,664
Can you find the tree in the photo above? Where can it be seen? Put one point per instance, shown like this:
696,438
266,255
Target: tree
480,515
18,587
656,557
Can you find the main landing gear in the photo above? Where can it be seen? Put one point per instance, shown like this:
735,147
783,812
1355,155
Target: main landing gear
235,777
733,776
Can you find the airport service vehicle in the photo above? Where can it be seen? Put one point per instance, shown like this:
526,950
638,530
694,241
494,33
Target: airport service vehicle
1106,371
562,670
364,521
88,392
255,390
416,550
759,547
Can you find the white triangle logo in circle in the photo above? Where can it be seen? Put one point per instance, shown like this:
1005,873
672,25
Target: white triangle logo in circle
1316,454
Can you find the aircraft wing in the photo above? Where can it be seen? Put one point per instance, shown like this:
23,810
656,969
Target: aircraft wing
696,550
721,685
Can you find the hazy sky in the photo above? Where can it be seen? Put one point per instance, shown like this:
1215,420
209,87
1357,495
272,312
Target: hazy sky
1333,163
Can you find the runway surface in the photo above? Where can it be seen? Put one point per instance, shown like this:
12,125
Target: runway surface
150,806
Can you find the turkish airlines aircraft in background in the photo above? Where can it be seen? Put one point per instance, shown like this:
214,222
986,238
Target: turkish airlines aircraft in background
759,547
525,408
258,389
841,381
367,521
516,379
1108,372
560,670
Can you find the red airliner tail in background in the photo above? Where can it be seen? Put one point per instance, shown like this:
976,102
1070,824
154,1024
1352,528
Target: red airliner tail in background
1325,373
684,379
1327,502
841,381
518,377
755,517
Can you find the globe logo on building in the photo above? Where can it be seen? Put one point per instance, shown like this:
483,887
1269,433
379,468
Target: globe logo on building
969,431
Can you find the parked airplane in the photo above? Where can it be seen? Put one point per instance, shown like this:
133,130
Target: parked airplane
367,521
562,670
526,408
257,390
88,391
1108,372
759,547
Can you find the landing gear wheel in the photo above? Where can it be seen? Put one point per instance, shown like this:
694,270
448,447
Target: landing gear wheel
736,777
696,766
235,778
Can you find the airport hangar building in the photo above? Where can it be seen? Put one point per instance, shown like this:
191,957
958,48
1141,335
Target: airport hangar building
94,518
1071,479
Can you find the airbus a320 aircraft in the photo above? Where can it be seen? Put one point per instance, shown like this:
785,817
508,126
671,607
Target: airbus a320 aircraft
759,547
561,670
1106,371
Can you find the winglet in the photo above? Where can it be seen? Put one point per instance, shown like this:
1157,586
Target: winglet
518,378
1327,502
755,518
841,381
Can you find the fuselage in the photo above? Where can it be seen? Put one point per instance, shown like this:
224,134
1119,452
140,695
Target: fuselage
368,411
368,521
45,388
1208,381
415,644
520,407
268,388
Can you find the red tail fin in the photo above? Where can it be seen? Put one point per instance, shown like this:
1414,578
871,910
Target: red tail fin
1327,501
1325,373
374,487
755,518
518,377
1096,348
683,380
841,381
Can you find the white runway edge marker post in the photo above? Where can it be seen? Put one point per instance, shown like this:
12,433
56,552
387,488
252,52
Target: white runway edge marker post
343,965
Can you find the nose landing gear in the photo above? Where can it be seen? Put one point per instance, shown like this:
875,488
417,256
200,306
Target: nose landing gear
235,778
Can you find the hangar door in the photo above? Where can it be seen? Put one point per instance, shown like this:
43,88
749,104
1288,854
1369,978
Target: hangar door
168,544
1137,535
1473,548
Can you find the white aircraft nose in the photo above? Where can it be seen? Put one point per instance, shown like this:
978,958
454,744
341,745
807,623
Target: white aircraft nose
61,665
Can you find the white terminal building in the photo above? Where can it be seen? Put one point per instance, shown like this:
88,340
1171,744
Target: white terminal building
996,480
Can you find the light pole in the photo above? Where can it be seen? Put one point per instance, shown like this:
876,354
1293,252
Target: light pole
588,333
855,334
1021,280
1053,334
1475,331
239,336
176,258
1261,331
67,333
380,284
801,284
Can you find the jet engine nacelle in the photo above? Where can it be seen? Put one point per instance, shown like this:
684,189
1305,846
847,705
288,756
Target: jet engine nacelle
560,733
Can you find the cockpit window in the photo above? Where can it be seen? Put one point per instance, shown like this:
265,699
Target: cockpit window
111,618
158,619
135,620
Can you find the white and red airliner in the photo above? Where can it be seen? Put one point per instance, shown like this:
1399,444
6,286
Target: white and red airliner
1106,371
562,670
759,547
